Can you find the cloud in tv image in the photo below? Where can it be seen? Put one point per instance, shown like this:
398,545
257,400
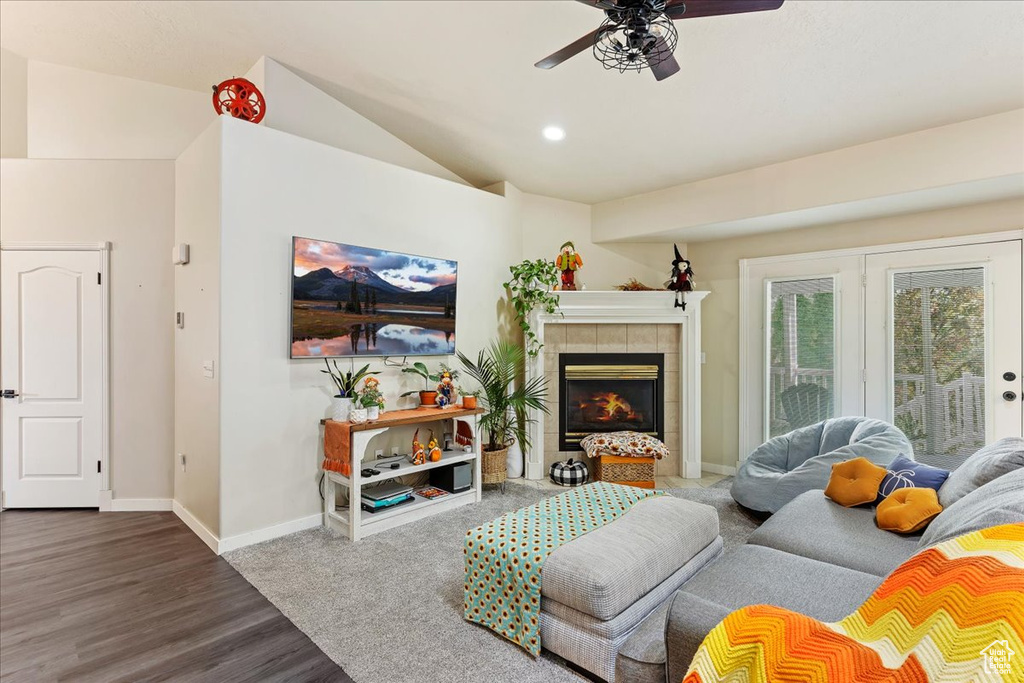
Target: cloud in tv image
357,301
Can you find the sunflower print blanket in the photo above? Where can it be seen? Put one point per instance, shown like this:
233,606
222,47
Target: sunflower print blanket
504,557
952,613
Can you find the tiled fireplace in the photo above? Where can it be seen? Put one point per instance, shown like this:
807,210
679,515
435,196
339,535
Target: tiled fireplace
658,344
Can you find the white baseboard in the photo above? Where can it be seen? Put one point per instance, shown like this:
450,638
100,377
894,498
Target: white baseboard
260,535
196,526
718,469
141,505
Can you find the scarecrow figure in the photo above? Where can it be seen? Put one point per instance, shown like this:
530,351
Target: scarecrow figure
568,261
681,280
445,390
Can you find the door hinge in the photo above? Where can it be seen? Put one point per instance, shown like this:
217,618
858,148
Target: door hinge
864,375
863,279
99,466
99,278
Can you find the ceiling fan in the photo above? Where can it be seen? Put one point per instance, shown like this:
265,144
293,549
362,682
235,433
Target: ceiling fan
639,34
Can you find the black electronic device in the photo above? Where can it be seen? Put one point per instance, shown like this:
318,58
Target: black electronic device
453,478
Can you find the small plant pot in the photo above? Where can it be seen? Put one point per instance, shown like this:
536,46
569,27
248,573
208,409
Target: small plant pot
373,413
469,402
340,408
428,399
357,416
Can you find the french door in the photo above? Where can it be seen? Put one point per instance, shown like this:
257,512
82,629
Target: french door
929,339
52,360
943,356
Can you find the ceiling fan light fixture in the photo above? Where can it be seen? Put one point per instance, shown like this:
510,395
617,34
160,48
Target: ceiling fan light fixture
553,133
635,43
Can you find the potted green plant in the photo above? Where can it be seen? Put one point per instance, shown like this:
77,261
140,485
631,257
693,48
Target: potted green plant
508,406
428,396
345,383
469,398
532,286
372,399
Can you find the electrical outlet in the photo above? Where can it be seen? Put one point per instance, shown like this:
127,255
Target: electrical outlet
394,450
181,459
379,453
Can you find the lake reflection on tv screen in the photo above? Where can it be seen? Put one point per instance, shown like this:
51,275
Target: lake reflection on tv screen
383,340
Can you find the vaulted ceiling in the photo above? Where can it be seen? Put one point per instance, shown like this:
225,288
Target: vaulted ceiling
456,79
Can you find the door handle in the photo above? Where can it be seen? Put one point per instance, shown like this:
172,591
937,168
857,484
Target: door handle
1009,396
9,393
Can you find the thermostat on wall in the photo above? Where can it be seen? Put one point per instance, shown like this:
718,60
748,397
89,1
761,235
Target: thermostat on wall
179,255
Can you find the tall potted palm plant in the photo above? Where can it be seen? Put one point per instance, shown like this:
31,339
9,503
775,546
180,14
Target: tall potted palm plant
507,405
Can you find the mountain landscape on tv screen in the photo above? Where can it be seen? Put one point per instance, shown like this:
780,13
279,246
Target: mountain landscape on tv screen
352,301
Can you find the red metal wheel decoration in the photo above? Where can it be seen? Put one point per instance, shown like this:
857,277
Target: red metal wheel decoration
240,98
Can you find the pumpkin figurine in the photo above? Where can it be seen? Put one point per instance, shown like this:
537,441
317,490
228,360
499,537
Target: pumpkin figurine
435,450
419,454
445,389
568,261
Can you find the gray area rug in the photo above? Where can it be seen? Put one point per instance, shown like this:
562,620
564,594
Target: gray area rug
389,608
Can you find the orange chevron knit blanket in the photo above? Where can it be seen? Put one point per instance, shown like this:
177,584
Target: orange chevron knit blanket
953,612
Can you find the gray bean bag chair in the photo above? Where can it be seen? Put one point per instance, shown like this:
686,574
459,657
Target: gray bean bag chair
783,468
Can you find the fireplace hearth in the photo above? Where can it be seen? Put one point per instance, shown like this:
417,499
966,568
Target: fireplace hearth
609,392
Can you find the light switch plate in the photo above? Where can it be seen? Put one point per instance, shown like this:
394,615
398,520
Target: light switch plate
208,368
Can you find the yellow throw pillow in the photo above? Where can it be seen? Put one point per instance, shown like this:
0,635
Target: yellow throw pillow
854,482
907,510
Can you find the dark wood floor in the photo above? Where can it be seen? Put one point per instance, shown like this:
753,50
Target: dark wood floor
135,596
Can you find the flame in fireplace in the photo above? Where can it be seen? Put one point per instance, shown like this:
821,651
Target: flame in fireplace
610,407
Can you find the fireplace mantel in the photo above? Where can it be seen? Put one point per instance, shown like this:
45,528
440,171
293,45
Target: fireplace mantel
656,308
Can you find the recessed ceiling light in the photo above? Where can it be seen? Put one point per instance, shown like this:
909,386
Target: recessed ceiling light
554,133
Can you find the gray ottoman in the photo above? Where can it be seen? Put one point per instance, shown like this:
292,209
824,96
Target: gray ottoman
597,589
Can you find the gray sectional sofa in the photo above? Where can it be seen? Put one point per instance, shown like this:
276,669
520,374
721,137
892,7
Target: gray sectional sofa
817,558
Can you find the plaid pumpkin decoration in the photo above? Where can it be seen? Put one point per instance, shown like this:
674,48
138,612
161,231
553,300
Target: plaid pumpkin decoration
569,472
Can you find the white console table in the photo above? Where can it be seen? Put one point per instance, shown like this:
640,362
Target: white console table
355,523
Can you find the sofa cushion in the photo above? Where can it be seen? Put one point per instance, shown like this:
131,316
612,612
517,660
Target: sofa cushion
641,659
987,464
855,482
605,571
904,472
998,502
813,526
751,575
907,510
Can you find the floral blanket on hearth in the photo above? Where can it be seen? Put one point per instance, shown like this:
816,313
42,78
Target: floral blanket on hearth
504,557
952,613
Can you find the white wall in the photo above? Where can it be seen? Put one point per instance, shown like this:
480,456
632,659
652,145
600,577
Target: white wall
962,163
13,104
717,266
197,295
547,223
131,205
296,106
79,114
277,185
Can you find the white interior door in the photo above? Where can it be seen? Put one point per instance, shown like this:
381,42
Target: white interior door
947,368
51,370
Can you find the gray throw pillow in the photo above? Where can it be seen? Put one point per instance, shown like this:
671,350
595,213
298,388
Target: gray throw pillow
987,464
1000,501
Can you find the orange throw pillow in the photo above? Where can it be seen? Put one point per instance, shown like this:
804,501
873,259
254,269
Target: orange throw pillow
854,482
907,510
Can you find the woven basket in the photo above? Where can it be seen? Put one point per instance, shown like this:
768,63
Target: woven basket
630,471
494,466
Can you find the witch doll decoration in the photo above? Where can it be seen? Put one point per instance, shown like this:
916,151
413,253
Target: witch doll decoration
681,280
568,261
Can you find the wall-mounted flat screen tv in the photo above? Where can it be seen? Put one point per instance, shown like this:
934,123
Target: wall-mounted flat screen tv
358,301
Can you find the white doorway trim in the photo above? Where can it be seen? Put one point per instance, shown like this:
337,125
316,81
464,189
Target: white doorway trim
104,266
747,340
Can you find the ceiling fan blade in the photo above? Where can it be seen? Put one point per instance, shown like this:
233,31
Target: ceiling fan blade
691,9
665,68
599,4
570,50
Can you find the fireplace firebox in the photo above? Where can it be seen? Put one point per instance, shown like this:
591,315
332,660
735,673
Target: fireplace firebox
609,392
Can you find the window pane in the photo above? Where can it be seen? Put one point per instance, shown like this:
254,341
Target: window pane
801,354
939,360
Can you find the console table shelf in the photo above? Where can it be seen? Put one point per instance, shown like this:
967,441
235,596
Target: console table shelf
357,523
